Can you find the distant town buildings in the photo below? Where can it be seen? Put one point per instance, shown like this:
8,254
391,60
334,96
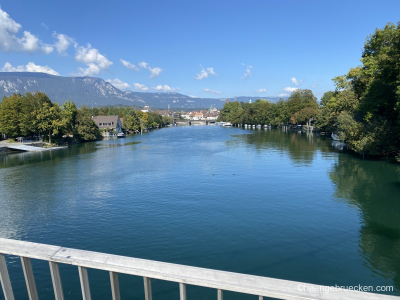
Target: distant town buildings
202,115
210,114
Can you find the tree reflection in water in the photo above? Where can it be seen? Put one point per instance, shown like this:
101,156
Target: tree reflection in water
374,188
302,147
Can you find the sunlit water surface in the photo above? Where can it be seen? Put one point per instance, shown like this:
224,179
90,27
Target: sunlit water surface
265,202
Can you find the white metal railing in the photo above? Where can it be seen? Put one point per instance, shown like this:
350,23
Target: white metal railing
114,264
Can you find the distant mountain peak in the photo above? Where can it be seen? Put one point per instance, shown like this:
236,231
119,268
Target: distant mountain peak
94,91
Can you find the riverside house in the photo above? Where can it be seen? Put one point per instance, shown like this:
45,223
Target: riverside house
109,125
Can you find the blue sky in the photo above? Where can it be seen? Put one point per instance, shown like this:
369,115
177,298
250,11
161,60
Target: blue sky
199,48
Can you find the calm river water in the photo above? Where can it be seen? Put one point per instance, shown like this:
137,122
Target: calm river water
270,203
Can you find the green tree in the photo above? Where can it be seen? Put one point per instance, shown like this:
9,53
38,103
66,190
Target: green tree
154,119
226,114
305,115
11,113
48,119
281,112
33,102
85,128
299,100
374,108
166,120
326,97
334,104
131,121
143,120
69,113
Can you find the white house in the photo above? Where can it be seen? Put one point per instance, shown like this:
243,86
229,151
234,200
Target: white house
197,116
185,116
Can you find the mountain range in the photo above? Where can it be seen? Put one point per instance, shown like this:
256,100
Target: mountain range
95,92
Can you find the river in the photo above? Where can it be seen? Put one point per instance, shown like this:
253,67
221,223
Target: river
263,202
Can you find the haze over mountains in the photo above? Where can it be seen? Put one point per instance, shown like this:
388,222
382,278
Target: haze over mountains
93,91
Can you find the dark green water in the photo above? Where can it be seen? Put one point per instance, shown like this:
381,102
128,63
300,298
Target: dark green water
268,203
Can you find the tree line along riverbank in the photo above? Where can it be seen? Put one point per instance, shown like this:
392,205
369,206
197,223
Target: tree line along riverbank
35,115
363,110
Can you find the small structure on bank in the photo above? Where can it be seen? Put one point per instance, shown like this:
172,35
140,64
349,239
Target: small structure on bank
109,125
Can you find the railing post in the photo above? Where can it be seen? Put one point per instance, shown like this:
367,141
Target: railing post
5,279
220,296
260,297
115,286
182,291
29,278
83,276
147,288
56,278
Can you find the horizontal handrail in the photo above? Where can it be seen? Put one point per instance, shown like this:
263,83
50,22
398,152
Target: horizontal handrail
221,280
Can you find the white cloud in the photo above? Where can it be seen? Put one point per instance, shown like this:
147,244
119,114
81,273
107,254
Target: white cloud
290,89
47,48
295,81
314,86
140,87
212,92
205,72
7,23
143,64
63,42
29,42
8,29
155,72
211,71
283,95
128,65
191,96
9,42
45,26
119,84
247,73
89,55
95,61
30,67
165,88
261,91
92,69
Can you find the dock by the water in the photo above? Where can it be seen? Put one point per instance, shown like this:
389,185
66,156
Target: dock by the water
26,147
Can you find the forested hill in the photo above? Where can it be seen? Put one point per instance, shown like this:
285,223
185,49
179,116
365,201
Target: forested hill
92,91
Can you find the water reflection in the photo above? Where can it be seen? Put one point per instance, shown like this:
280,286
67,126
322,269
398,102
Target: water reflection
374,188
338,145
302,147
30,187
